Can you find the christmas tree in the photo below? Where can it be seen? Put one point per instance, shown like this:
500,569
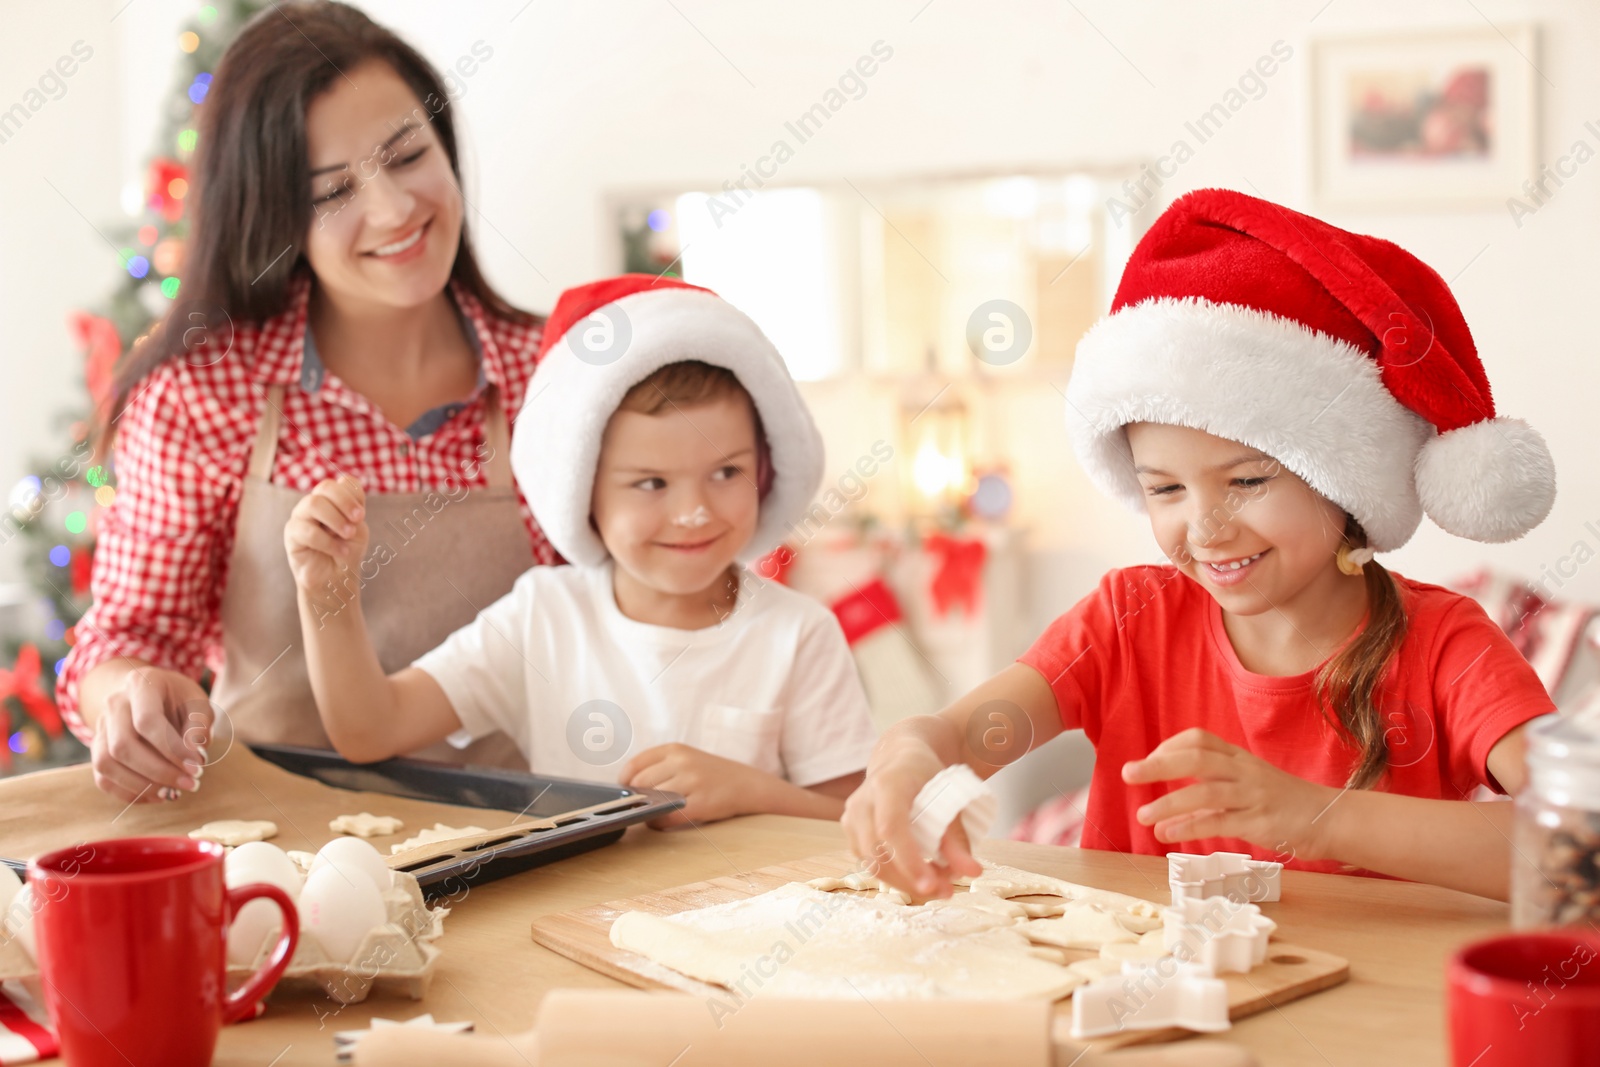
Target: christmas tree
55,510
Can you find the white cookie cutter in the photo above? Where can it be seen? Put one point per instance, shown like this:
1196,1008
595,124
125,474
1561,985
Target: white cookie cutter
1222,934
1151,995
1222,874
954,792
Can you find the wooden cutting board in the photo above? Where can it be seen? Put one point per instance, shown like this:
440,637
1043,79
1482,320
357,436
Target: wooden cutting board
584,935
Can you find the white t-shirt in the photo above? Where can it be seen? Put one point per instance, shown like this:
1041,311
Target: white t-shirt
582,688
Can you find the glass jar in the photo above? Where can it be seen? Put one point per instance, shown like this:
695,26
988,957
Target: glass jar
1555,862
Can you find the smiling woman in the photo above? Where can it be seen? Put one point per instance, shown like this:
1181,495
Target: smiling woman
337,326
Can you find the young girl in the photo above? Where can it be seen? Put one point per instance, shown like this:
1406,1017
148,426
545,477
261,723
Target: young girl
1281,398
663,444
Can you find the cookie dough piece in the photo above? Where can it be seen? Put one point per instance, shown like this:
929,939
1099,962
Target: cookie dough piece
235,831
861,881
302,860
1079,926
1095,969
1151,946
440,832
366,825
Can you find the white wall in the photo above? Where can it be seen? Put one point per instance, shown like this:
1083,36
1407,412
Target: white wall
580,99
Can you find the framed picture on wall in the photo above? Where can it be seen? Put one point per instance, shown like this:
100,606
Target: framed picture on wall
1445,119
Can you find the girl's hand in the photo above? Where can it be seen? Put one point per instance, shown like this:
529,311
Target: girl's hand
877,823
715,788
150,741
1235,794
326,535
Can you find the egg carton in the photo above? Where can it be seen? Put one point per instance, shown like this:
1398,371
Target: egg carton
1222,934
397,957
1151,995
1234,875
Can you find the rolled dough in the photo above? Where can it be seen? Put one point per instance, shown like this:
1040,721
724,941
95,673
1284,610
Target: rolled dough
800,941
440,832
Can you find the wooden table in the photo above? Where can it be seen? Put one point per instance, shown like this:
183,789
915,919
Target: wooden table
1396,936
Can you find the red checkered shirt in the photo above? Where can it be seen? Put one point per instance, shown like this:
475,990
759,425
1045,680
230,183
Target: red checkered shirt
182,446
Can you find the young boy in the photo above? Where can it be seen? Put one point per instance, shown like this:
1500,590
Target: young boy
662,446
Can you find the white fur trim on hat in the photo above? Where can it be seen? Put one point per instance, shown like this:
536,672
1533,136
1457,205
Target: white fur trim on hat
1316,404
556,447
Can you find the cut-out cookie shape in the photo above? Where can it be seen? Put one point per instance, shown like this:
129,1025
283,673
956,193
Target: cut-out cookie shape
345,1041
440,832
1217,932
1147,947
1080,926
861,881
232,832
366,825
1222,874
1138,916
1151,996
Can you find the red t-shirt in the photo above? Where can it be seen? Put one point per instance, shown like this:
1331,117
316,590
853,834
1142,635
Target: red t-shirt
1145,656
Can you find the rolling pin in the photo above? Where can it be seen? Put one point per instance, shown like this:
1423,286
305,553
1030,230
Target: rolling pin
629,1028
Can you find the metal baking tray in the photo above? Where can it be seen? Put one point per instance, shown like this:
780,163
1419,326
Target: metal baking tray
531,795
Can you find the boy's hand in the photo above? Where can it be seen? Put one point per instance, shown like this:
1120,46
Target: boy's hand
715,788
1234,794
326,535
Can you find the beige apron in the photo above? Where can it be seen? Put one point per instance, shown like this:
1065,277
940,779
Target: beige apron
449,557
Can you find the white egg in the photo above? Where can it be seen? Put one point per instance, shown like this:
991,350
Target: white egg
260,920
337,909
352,854
19,919
10,883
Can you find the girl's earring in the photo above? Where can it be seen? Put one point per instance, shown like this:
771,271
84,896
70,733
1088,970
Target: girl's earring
1351,560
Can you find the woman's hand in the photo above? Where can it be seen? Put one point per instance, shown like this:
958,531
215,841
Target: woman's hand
150,740
1235,794
877,824
326,535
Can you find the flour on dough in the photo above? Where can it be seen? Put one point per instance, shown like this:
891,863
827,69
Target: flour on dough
440,832
366,825
816,944
235,831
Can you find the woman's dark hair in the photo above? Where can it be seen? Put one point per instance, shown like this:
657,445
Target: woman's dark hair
251,204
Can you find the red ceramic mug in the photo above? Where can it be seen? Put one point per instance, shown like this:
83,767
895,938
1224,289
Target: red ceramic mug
1526,998
132,941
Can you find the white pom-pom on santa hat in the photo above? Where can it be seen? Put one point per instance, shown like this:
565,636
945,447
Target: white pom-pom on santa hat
1343,356
601,340
1491,481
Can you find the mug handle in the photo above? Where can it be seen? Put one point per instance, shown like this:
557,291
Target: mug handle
244,999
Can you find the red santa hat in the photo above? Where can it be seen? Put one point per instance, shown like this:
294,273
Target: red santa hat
1343,356
604,338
